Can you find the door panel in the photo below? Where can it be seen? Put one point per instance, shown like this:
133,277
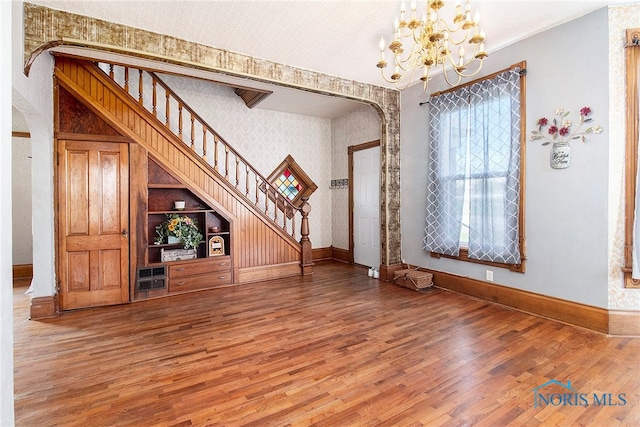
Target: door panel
93,223
366,211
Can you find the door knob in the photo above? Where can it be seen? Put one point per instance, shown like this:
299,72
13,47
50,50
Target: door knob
125,233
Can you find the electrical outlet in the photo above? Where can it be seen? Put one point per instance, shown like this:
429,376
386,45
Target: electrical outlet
489,275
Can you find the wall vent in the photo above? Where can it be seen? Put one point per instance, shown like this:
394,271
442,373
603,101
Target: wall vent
151,278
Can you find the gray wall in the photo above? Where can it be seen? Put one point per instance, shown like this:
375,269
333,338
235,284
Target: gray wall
566,210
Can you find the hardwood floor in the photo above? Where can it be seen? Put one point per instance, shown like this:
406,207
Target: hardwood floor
333,349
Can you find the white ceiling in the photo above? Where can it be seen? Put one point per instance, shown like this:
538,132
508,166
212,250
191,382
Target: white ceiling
338,38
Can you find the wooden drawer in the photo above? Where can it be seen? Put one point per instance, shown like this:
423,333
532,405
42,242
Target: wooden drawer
204,281
200,267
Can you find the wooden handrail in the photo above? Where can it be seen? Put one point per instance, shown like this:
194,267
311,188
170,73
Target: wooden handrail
262,185
217,136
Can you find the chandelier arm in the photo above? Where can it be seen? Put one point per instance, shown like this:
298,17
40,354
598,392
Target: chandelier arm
407,81
409,61
463,74
446,77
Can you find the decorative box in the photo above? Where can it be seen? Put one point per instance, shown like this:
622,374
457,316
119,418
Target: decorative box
177,254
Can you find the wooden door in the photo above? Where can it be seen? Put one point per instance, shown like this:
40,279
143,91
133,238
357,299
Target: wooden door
93,223
366,206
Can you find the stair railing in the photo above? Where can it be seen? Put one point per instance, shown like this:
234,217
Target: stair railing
199,137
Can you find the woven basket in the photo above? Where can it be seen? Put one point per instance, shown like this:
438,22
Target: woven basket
413,279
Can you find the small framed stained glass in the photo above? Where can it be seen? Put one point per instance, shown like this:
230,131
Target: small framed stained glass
291,181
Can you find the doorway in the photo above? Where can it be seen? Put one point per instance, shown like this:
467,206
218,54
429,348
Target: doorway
93,223
364,203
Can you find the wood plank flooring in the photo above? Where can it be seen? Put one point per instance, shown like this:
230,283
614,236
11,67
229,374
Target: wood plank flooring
333,349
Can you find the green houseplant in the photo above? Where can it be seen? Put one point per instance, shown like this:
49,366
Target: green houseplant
181,227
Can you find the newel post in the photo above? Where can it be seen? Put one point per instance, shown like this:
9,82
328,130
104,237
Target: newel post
307,255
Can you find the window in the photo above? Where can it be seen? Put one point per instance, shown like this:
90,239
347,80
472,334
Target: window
475,176
292,182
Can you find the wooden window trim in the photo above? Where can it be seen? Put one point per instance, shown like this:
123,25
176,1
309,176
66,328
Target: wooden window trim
307,183
464,252
632,67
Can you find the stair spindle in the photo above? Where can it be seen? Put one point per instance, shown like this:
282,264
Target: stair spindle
237,171
257,189
180,120
193,133
111,72
204,142
167,108
126,79
154,99
246,181
226,162
293,225
140,86
266,201
215,153
275,210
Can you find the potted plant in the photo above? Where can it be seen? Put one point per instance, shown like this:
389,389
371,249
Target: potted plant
179,227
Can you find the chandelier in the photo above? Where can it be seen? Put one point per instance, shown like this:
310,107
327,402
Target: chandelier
436,45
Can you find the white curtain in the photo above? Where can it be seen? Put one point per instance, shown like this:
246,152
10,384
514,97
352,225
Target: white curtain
449,118
494,175
475,141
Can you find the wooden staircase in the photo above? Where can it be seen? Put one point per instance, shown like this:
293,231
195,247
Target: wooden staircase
265,223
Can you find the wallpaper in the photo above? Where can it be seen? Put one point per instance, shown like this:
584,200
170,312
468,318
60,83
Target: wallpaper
620,19
356,128
265,138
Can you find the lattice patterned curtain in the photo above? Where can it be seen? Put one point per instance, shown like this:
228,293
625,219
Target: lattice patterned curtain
475,142
449,119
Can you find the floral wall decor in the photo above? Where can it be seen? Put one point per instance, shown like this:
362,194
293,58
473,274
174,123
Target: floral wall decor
560,132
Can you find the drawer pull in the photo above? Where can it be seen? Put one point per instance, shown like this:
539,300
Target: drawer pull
223,263
180,269
179,283
222,277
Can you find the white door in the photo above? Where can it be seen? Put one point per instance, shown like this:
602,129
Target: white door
366,207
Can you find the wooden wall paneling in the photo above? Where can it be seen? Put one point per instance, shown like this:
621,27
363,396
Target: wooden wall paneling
153,138
138,213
